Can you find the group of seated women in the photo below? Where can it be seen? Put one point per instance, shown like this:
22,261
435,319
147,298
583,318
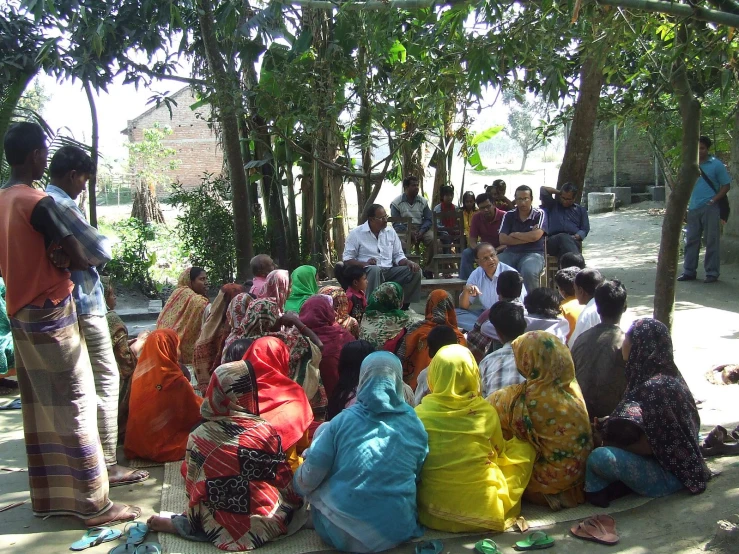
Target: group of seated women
298,413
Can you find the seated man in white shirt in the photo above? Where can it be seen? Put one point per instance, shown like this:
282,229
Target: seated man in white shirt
498,369
376,247
439,336
482,286
586,282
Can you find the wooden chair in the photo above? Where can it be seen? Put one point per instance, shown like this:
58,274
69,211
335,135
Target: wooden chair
448,247
551,266
405,237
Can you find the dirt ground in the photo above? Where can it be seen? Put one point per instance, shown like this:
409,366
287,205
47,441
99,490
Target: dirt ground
623,245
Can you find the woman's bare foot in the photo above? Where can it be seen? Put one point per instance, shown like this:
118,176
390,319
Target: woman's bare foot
119,475
161,525
118,513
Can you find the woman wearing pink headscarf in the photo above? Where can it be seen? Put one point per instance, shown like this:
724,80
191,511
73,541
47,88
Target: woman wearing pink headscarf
277,287
317,313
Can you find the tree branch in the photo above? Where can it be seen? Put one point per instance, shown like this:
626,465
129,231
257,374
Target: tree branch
674,8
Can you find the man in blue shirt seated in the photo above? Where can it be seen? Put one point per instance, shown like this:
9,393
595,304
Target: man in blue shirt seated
522,231
568,222
704,215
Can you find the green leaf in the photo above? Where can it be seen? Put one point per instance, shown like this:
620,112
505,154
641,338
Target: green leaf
396,53
485,135
475,160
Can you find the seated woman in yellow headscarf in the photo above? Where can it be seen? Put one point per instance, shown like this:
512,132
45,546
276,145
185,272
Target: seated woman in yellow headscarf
548,411
473,479
183,312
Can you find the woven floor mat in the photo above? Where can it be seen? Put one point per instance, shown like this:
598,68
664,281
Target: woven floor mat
136,463
307,540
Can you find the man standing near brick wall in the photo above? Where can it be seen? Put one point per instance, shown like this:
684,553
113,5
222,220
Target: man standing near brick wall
704,215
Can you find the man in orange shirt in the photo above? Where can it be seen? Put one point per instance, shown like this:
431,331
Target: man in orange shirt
571,308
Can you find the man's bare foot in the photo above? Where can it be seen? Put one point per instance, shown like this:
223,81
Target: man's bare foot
161,525
118,513
119,475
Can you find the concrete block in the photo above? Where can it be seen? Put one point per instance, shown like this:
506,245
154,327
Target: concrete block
658,194
600,202
623,195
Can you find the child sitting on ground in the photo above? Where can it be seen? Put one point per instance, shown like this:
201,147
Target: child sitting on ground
439,336
571,308
508,287
353,280
498,369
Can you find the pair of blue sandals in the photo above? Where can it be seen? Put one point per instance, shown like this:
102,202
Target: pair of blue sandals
134,533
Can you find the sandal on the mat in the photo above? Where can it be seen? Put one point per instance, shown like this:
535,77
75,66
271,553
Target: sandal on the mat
149,548
487,546
429,547
135,476
538,540
94,537
125,548
135,532
12,405
591,529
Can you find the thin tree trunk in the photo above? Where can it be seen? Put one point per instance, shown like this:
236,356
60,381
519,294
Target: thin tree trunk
523,161
226,88
677,203
580,140
293,243
307,226
92,183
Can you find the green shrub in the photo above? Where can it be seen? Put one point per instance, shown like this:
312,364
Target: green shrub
132,260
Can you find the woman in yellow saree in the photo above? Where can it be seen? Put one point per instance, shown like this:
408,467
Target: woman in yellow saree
548,412
473,479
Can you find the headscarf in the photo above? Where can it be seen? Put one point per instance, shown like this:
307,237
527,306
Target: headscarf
240,456
384,319
413,351
7,356
183,313
234,318
304,285
318,315
350,361
341,307
658,401
472,477
210,345
547,411
163,407
380,387
276,287
282,402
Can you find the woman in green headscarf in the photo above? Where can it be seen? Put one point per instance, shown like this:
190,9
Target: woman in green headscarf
384,322
303,286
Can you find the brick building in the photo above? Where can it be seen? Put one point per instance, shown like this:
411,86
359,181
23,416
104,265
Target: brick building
196,145
634,160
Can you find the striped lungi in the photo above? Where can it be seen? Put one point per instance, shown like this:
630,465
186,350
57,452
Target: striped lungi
66,467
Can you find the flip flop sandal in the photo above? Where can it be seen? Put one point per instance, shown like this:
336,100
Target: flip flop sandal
538,540
608,523
13,405
149,548
135,532
94,537
487,546
716,437
130,511
141,474
591,529
429,547
125,548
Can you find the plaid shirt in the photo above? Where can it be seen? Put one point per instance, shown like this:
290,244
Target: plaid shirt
498,370
88,290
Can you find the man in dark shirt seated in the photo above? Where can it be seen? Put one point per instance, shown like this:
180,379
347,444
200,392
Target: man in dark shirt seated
522,232
568,222
484,227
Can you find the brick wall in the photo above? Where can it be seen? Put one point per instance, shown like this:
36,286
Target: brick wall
634,160
195,143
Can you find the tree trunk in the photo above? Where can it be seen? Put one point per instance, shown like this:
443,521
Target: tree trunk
677,203
730,239
227,91
523,161
12,94
580,140
92,184
307,226
293,242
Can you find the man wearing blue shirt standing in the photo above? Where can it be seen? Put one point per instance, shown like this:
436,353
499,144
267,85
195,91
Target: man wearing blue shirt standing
703,215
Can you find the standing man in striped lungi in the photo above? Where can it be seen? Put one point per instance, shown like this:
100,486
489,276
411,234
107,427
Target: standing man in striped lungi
70,170
66,466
